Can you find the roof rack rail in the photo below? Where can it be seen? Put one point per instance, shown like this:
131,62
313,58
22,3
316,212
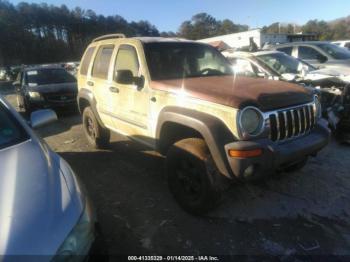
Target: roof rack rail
110,36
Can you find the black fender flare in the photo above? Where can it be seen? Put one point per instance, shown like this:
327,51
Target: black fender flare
215,133
87,95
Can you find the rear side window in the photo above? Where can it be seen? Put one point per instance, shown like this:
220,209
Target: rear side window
288,50
306,52
127,60
101,64
86,61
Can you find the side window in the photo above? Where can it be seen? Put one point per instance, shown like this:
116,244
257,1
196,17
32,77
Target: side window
102,60
305,52
347,45
288,50
127,60
86,61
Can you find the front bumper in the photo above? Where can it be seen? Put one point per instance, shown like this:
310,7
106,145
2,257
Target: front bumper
53,101
275,156
53,105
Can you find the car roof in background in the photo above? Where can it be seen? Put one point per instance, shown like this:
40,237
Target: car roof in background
302,43
39,67
145,39
252,54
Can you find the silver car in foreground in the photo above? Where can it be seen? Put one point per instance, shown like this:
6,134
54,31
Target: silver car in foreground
44,210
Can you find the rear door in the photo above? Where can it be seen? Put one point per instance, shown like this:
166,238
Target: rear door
100,82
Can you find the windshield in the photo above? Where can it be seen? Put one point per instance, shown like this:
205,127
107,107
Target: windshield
11,132
335,51
184,60
284,64
37,77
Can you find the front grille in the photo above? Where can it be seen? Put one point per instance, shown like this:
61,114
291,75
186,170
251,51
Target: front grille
60,97
292,122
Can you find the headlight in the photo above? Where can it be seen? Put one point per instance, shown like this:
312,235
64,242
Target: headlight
80,239
251,122
318,108
35,96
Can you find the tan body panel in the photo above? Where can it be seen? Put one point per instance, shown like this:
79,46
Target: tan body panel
135,112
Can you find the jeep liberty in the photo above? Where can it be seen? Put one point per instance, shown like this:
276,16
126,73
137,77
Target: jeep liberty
181,98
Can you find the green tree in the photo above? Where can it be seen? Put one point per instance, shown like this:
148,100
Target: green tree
203,25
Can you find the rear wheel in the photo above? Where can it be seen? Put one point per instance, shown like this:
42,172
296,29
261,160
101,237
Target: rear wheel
193,178
97,136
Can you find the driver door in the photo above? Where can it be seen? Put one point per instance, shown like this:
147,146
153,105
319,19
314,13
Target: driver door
132,105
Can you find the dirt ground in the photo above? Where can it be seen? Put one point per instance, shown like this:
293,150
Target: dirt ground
300,213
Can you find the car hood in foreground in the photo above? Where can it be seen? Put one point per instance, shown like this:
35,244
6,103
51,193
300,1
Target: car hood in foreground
37,210
239,91
55,88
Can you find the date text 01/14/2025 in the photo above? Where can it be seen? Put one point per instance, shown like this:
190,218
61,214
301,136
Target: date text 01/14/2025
173,258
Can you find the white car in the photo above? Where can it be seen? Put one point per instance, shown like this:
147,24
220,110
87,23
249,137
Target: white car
343,43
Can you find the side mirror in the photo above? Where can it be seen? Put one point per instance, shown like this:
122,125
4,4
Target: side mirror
139,82
321,58
43,117
125,77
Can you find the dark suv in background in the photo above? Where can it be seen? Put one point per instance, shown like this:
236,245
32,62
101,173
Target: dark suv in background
45,87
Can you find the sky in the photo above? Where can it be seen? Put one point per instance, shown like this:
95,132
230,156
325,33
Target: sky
167,15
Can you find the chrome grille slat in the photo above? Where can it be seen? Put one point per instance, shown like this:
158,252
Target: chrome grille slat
305,120
278,126
285,123
292,122
299,120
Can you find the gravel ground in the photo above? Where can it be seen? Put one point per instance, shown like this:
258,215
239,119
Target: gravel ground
300,213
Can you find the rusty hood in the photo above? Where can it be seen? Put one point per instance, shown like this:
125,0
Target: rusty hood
239,91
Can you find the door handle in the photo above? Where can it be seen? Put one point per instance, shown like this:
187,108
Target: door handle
90,83
153,99
114,89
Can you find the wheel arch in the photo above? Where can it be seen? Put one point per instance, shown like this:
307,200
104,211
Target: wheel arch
85,99
176,123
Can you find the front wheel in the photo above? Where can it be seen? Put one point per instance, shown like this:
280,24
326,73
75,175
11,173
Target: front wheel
96,135
193,178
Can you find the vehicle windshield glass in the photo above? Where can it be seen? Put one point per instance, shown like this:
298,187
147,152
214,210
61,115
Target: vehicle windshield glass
185,60
284,64
37,77
11,132
335,51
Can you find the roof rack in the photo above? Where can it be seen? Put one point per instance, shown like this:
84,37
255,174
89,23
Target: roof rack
110,36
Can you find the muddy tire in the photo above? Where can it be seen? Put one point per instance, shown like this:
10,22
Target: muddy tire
297,166
96,135
192,176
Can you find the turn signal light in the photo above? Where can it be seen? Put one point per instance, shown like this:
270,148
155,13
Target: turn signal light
244,153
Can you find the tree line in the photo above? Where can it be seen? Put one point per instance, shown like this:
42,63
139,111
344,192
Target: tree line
42,33
333,30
